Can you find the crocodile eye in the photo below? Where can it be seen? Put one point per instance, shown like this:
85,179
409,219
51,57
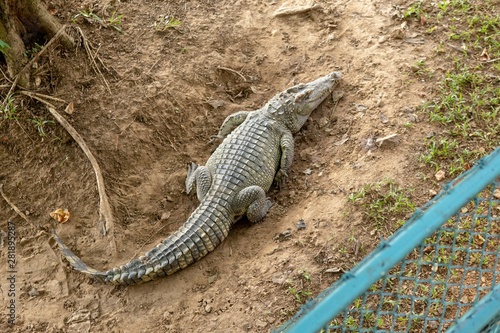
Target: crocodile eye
300,97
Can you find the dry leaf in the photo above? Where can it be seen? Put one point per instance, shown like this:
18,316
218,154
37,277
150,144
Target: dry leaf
70,108
38,80
60,215
423,20
484,56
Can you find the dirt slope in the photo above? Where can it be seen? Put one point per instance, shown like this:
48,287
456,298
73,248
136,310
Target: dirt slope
169,92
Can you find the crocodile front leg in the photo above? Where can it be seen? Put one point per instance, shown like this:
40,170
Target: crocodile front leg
286,145
230,123
198,179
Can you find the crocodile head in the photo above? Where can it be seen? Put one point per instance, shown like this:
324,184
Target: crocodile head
294,105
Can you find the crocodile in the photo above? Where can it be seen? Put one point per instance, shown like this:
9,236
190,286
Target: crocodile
256,152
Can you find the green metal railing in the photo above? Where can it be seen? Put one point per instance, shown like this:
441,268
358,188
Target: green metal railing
439,272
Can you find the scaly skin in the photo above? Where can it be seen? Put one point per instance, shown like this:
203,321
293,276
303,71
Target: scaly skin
257,150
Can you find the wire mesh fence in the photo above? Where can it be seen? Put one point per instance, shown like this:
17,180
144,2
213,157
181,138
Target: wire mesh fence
440,272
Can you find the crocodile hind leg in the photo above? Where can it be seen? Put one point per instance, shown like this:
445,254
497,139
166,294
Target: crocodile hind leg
254,202
198,179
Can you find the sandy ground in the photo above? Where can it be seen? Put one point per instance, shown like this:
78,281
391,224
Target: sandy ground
168,93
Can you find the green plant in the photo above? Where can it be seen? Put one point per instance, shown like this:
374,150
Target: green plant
300,295
421,69
415,10
116,20
89,16
9,109
40,125
4,47
383,201
165,22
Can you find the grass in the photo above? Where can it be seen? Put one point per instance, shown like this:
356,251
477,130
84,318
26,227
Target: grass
9,111
40,126
114,21
467,105
466,112
300,289
4,47
165,23
385,204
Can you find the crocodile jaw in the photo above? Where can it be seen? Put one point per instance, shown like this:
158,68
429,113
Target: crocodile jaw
298,102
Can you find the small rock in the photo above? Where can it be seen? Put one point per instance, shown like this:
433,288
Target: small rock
307,172
33,292
322,224
496,193
301,224
464,210
260,323
432,193
333,270
208,308
279,279
383,118
323,122
360,107
440,175
212,278
216,103
398,34
167,315
283,235
165,216
464,299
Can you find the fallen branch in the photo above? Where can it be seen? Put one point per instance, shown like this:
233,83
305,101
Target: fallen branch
293,10
490,61
105,215
92,58
18,211
232,71
34,94
30,63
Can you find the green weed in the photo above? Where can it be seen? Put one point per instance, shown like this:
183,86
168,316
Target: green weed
9,111
40,125
4,47
116,20
166,22
300,295
383,202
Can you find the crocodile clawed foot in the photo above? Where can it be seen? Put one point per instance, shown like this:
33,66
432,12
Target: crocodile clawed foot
279,179
213,138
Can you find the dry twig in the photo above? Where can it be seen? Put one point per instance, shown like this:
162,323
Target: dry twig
18,211
93,57
30,63
293,10
232,71
42,96
105,214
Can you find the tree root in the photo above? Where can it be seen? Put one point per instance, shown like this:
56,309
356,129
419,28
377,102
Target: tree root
29,64
106,221
18,211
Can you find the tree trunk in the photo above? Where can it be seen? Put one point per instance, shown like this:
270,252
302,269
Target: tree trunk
23,22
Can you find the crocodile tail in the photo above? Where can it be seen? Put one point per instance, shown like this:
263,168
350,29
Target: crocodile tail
203,231
76,262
